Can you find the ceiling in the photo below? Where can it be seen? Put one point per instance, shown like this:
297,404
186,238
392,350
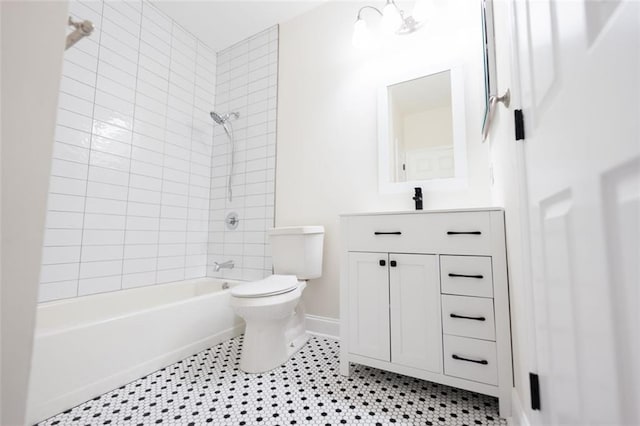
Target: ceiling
221,23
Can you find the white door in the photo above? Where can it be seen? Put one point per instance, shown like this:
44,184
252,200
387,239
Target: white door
579,67
369,305
416,333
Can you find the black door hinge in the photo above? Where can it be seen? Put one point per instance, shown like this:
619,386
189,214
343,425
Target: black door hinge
519,122
534,387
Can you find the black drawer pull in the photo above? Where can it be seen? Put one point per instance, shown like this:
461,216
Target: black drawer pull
467,276
464,233
387,233
393,263
459,358
382,263
469,318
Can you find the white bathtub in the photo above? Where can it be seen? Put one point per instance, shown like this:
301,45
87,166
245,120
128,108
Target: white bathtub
89,345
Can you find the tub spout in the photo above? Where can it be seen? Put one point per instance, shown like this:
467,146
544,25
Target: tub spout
224,265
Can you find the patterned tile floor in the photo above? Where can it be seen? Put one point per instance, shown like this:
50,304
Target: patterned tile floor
209,388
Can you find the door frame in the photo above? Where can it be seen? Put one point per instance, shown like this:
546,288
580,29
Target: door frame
528,360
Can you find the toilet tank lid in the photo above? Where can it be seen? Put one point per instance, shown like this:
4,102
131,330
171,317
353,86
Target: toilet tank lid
296,230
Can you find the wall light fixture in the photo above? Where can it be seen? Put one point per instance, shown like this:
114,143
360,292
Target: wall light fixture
393,21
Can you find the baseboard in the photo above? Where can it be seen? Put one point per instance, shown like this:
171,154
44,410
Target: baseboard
323,326
518,416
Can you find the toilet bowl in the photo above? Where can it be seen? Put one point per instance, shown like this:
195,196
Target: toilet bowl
271,307
275,327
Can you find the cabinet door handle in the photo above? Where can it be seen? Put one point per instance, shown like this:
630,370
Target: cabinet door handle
469,318
387,233
382,263
393,263
459,358
464,233
467,276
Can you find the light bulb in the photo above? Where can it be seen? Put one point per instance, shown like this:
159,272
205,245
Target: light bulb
391,19
422,10
361,34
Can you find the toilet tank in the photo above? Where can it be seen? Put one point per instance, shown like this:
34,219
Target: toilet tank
297,250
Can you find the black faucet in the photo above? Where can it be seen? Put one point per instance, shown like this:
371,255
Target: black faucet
418,198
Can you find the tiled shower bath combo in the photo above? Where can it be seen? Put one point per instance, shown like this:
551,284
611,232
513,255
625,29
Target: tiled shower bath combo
137,198
128,199
137,192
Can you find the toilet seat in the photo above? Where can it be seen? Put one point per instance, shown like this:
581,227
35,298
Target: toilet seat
270,286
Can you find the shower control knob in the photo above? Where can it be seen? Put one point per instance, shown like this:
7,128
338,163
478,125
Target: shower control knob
232,220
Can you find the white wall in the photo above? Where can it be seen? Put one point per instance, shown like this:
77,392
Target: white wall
246,83
32,47
327,114
129,192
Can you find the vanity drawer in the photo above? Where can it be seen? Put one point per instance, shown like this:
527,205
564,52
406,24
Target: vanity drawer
468,317
470,359
463,233
390,233
466,275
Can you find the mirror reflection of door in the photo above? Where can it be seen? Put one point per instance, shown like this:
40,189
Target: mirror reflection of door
421,128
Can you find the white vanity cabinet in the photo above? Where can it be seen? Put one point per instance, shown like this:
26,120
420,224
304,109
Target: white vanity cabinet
394,312
425,294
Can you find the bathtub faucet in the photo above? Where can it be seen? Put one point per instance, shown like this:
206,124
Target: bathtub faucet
224,265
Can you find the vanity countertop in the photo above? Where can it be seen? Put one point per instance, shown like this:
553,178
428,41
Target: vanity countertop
460,210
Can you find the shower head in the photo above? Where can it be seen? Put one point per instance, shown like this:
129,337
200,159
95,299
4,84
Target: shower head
221,119
217,118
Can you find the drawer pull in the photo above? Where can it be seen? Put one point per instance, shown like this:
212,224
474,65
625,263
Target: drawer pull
459,358
467,276
393,263
464,233
469,318
387,233
382,263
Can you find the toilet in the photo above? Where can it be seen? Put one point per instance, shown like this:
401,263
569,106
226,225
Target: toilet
271,308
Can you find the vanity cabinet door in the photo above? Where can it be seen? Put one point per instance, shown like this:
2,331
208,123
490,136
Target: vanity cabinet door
416,333
369,305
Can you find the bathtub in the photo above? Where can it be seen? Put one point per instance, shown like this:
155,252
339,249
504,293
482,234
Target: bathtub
89,345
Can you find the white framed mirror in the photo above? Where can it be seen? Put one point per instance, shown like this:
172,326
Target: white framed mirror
421,132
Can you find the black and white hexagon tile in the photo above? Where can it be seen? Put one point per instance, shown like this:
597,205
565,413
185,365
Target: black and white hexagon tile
209,388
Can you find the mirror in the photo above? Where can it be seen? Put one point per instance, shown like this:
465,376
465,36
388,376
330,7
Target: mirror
421,135
489,57
420,129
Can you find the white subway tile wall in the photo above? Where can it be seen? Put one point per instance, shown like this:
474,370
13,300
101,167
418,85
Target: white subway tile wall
247,83
129,192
